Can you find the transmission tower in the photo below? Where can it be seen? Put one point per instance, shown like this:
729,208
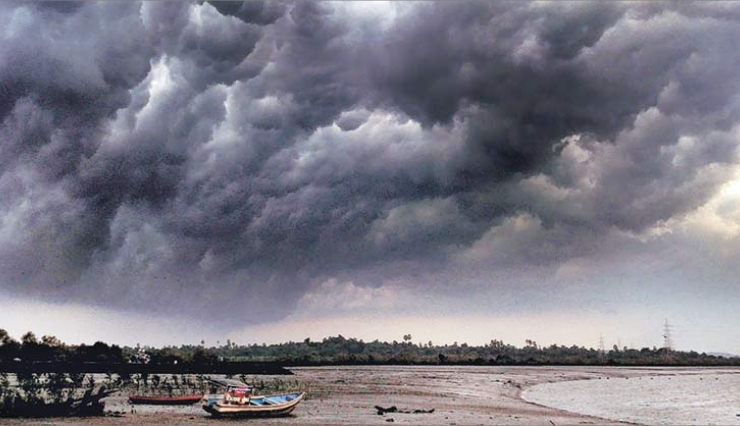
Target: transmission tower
667,341
602,350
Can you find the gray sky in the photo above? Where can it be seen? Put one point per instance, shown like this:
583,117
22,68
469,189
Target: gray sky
462,171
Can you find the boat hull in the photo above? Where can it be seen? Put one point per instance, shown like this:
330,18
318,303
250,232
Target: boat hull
285,407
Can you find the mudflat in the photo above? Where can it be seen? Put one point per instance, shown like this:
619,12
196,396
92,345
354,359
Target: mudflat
440,395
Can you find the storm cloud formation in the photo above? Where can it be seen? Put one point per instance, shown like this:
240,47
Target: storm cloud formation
188,156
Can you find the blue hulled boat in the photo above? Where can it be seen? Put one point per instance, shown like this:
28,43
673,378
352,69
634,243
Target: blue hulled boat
238,400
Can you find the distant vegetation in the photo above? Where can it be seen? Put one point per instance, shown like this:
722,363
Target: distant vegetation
342,351
349,351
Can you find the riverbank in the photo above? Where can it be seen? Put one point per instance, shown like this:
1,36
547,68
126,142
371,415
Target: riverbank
455,396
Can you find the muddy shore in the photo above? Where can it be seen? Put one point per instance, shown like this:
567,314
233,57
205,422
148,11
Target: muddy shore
348,396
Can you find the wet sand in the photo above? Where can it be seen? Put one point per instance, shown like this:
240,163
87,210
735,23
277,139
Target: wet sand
347,396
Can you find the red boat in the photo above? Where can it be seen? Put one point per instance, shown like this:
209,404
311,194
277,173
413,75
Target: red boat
164,400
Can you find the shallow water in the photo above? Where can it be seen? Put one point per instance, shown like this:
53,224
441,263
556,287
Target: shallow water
683,398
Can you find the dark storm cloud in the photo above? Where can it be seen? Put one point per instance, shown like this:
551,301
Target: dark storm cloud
516,69
60,6
257,12
247,151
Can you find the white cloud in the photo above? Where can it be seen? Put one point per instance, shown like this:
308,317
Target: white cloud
520,241
334,298
426,220
719,217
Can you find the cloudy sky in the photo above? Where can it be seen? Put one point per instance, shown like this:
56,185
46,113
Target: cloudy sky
460,171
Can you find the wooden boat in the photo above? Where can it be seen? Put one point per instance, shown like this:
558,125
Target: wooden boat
164,400
238,401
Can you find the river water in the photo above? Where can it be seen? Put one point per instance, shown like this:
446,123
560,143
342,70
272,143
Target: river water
709,397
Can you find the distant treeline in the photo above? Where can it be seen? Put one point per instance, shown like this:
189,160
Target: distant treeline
50,355
349,351
336,351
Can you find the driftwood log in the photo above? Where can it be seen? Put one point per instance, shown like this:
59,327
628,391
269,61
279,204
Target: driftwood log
394,409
